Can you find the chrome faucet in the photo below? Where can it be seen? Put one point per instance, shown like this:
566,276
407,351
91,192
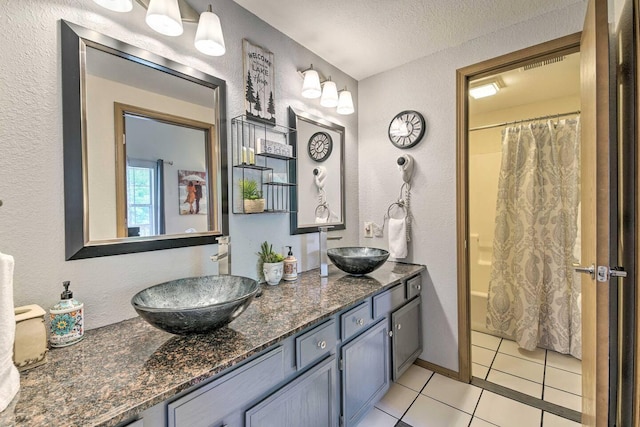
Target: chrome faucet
324,260
223,257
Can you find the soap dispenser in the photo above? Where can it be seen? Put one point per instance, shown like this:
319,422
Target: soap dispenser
67,320
290,266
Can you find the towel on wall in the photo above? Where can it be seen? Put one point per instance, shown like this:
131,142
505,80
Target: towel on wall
9,377
398,237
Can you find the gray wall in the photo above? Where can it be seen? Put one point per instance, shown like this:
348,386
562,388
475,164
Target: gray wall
31,174
428,85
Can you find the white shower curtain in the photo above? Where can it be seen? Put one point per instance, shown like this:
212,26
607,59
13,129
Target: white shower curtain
533,290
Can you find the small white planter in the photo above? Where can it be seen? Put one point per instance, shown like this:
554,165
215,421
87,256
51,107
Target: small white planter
273,272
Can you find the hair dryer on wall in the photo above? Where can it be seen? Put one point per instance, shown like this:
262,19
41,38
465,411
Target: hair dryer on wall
405,166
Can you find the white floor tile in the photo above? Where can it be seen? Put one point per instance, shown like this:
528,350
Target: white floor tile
452,392
515,383
415,377
397,400
511,348
506,412
519,367
477,422
479,371
377,418
551,420
564,361
563,398
485,340
563,380
482,356
426,412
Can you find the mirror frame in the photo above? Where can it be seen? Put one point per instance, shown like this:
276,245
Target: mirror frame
74,41
294,117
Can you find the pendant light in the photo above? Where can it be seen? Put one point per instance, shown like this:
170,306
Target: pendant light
329,96
116,5
311,85
345,103
209,39
164,17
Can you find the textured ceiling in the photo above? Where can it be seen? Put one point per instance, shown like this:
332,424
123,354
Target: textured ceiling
366,37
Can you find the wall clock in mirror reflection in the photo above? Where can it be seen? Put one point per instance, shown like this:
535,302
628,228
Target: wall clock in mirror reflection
320,146
407,129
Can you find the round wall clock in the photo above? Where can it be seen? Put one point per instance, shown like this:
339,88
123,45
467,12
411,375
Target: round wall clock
407,129
320,146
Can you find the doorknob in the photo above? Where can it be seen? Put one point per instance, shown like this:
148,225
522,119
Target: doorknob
591,270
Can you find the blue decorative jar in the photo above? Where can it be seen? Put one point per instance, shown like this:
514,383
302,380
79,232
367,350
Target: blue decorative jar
67,320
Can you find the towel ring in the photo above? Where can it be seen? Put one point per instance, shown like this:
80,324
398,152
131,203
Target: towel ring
398,205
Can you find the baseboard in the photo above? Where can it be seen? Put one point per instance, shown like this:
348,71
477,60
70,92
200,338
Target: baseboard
438,369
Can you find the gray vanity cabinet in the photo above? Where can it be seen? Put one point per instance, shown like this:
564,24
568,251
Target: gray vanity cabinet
406,340
310,401
364,372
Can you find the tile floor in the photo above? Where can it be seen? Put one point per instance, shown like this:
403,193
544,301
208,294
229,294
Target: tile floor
421,398
543,374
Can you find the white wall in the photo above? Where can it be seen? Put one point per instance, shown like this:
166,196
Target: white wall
429,86
31,160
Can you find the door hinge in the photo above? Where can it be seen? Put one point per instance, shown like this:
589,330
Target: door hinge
341,364
605,273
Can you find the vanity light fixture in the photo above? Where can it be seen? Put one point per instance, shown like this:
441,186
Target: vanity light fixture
485,89
311,86
209,39
116,5
329,96
345,103
164,17
167,16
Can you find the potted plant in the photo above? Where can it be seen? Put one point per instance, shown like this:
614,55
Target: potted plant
270,264
251,196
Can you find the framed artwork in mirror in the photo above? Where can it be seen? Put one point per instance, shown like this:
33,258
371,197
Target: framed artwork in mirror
259,83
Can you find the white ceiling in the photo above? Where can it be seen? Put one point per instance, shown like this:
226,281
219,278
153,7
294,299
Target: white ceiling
367,37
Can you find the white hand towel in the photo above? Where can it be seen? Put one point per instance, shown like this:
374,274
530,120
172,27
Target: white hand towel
398,237
9,377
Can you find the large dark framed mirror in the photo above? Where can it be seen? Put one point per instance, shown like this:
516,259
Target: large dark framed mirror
145,149
318,198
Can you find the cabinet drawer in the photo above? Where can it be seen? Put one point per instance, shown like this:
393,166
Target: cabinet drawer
211,403
388,301
414,286
316,343
355,320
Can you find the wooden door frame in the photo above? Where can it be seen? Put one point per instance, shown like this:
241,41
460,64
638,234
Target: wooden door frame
562,46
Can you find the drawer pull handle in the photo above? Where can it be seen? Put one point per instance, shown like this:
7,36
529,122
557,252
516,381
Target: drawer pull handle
390,333
418,286
360,322
322,344
399,326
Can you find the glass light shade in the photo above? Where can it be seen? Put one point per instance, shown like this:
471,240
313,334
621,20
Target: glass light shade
116,5
329,94
483,91
164,17
311,85
209,39
345,103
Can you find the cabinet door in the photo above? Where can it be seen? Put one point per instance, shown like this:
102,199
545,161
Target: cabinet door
406,342
365,372
308,401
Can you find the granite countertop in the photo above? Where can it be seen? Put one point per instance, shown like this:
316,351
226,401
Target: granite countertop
120,370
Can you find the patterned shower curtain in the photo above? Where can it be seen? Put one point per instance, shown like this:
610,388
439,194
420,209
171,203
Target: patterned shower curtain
534,293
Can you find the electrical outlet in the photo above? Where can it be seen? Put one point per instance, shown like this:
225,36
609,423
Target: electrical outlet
368,229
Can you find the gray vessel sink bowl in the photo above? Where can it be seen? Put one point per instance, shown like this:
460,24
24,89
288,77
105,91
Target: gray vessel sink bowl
357,261
195,305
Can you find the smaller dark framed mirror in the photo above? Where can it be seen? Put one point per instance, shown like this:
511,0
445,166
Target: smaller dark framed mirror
318,198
